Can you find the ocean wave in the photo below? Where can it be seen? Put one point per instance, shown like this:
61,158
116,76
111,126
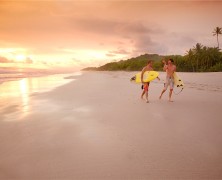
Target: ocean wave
10,76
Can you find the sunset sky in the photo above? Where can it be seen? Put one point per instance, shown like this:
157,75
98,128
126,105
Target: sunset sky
77,34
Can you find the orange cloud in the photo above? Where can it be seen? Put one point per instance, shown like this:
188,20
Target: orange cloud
4,60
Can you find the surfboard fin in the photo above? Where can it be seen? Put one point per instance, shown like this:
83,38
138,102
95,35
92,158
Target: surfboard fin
133,78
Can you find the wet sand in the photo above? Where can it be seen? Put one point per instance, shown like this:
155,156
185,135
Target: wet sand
97,127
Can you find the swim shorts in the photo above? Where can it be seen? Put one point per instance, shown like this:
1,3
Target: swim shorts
169,82
146,86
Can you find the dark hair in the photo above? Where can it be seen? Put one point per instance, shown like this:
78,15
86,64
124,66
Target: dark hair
171,60
149,61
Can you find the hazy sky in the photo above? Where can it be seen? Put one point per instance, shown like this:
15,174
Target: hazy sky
91,33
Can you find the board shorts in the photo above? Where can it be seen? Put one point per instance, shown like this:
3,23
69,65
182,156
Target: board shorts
146,86
169,82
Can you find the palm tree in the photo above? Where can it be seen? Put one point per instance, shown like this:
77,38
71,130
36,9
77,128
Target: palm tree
217,31
190,56
197,54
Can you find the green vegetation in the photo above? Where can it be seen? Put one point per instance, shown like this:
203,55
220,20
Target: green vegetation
197,59
216,32
133,64
203,59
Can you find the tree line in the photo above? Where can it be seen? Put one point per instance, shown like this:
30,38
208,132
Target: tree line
197,59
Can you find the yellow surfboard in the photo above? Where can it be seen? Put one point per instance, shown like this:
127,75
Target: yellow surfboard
177,80
147,76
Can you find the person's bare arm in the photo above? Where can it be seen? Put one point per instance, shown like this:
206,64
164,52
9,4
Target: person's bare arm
144,69
175,68
165,65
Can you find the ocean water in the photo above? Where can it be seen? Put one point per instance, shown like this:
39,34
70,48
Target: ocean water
18,84
17,90
11,74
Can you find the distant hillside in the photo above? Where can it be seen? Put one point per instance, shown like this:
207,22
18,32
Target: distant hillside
197,59
132,64
90,69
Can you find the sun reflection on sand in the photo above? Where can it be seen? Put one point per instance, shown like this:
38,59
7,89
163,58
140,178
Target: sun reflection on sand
24,91
19,94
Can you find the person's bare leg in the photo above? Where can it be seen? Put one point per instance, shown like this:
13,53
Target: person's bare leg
170,95
162,93
142,94
147,97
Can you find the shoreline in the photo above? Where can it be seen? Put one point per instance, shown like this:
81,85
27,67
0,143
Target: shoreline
7,77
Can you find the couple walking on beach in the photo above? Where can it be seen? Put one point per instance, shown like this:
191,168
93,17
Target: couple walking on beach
170,68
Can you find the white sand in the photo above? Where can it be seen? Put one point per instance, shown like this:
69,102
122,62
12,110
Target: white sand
96,127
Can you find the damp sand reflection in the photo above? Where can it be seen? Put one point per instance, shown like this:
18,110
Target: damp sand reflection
15,101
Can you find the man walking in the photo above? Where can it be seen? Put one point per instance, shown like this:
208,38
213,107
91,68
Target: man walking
170,68
148,67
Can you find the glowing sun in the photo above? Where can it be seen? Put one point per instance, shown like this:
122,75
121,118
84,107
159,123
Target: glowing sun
20,57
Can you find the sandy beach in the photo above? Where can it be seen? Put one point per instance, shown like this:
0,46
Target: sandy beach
97,127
